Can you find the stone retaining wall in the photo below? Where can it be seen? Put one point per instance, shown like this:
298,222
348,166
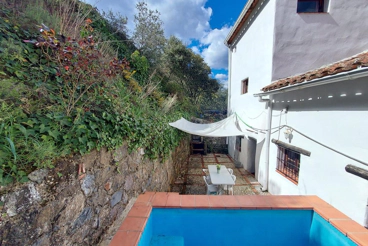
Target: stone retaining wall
216,145
58,207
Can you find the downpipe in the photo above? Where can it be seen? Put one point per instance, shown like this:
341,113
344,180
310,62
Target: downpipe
268,140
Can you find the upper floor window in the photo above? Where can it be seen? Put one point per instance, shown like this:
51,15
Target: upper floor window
311,6
244,86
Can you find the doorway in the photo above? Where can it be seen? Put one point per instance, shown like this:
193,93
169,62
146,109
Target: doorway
250,164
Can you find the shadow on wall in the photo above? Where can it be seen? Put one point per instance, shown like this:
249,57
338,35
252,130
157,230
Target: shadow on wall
274,188
324,19
258,156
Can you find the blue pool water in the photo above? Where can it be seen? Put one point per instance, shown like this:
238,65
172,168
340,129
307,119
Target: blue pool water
172,227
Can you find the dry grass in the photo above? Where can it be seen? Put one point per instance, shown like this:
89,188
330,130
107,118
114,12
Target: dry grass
72,15
169,103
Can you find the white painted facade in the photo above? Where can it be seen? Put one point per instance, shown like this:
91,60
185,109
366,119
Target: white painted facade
253,61
305,41
338,122
278,42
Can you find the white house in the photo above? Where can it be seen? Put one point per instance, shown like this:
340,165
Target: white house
302,63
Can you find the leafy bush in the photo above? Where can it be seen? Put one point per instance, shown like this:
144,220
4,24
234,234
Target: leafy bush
61,97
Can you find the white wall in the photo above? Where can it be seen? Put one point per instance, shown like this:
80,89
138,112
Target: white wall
323,173
306,41
303,42
252,58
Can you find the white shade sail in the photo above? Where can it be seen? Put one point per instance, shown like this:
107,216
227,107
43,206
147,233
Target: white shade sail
224,128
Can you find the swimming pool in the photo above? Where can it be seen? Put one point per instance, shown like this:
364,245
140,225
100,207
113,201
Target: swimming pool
177,226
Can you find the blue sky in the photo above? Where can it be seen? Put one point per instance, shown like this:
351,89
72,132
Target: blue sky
201,24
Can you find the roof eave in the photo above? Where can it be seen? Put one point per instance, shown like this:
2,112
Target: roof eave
353,74
241,19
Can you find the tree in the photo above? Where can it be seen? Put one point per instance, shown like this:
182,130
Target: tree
218,101
148,34
190,71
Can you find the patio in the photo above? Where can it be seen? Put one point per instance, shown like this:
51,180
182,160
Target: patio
191,181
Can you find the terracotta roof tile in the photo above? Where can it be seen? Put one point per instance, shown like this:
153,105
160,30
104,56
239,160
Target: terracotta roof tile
360,60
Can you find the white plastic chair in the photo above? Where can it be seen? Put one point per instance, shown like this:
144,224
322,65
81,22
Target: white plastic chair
206,171
231,171
211,189
230,187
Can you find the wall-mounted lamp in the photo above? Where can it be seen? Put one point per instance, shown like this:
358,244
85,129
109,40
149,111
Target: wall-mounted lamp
288,134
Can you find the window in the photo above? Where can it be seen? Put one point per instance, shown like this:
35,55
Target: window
310,6
288,162
244,86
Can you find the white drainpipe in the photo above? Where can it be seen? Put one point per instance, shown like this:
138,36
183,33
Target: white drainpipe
268,140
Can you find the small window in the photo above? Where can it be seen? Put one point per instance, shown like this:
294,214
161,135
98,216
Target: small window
288,162
310,6
244,86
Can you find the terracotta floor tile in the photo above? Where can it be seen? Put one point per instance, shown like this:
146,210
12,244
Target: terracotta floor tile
125,238
316,201
278,202
146,197
348,226
216,201
245,201
133,224
201,201
360,238
300,202
260,202
139,210
173,200
330,213
160,199
187,201
230,201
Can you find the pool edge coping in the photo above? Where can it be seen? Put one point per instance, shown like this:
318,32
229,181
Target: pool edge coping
131,229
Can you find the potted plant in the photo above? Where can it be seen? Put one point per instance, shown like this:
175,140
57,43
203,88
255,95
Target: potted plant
218,168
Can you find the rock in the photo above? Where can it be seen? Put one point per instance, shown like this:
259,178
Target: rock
128,182
43,241
88,184
21,200
116,198
38,175
43,219
82,218
120,153
96,223
72,208
105,157
89,159
108,186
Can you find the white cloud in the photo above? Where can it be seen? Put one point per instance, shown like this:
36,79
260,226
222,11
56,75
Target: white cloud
186,19
223,78
196,50
215,54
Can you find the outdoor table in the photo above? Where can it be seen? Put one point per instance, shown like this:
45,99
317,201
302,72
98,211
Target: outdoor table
221,178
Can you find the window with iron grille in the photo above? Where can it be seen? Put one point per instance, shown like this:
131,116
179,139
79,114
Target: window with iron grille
288,163
310,6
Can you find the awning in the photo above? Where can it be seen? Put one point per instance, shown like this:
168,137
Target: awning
224,128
